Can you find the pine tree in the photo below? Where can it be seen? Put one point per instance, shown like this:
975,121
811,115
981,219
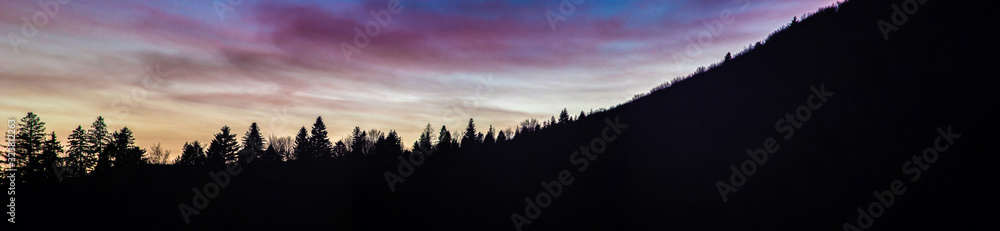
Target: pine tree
223,148
320,143
49,159
563,116
77,159
123,150
303,149
581,116
340,149
270,155
444,143
358,143
29,143
470,138
489,140
424,144
393,144
501,137
253,144
98,140
193,154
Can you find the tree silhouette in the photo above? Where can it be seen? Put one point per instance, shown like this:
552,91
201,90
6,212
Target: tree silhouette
253,144
123,150
97,141
270,155
444,143
581,116
156,154
488,139
501,137
470,139
424,143
303,148
285,146
223,148
371,141
340,149
563,116
358,143
393,144
29,144
319,142
77,159
49,158
192,154
728,57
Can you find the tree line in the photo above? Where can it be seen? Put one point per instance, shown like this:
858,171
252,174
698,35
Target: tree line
40,156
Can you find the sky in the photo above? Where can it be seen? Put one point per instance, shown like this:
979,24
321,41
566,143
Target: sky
177,71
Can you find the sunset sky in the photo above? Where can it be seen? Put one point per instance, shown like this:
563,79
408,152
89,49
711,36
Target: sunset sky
282,63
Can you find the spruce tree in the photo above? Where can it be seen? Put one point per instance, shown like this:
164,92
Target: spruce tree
253,144
77,159
303,149
223,148
123,150
489,140
193,154
98,140
49,159
424,144
30,141
319,142
563,116
358,142
444,143
469,140
501,137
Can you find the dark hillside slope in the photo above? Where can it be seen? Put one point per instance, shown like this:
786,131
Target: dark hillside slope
939,70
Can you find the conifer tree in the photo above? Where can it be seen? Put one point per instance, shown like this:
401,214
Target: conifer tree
489,140
223,148
253,144
563,116
319,142
444,143
469,140
77,160
303,148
